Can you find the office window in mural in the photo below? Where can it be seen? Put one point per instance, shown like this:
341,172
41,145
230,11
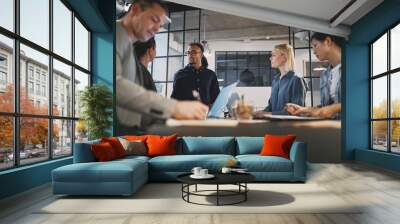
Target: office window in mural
385,96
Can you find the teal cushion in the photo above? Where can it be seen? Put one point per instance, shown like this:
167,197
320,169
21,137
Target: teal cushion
257,163
249,145
185,163
111,171
208,145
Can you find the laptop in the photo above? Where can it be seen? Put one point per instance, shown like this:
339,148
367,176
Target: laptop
222,100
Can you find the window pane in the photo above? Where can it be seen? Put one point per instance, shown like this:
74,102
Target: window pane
81,45
62,29
379,55
34,96
395,136
170,87
62,141
302,62
190,37
395,47
81,132
161,87
176,43
395,95
62,89
162,44
177,21
159,69
379,135
174,64
6,142
6,74
7,14
192,19
33,139
81,81
301,38
35,21
379,98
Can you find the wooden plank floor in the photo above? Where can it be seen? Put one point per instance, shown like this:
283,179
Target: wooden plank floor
354,182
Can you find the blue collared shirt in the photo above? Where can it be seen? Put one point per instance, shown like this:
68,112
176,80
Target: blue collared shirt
289,89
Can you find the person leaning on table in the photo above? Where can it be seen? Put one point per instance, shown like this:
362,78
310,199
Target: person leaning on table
325,47
141,21
287,87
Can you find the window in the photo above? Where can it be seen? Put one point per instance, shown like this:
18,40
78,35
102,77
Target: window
30,87
40,130
385,96
307,65
172,40
230,65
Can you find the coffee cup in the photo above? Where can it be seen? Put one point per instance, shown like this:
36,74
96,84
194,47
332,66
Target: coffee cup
226,170
203,172
196,171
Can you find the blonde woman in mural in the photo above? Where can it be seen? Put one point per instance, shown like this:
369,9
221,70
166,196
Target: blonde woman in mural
326,48
287,87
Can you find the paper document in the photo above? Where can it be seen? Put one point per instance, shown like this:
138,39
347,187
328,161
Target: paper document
203,123
287,117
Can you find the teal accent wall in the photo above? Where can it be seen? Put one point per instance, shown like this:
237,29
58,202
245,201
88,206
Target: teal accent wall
98,15
24,178
356,125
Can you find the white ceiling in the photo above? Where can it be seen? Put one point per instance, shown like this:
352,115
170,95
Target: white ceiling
312,15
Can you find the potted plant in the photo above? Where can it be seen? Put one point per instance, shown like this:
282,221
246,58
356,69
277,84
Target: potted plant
96,104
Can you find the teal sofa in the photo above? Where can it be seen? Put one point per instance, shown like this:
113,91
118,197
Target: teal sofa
125,176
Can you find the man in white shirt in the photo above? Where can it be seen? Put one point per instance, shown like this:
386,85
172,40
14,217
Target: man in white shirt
142,20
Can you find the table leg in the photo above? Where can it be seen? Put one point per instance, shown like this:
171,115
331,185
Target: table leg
217,194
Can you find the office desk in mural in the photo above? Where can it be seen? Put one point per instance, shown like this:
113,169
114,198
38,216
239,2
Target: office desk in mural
323,136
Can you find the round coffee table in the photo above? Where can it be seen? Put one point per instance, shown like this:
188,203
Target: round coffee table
238,179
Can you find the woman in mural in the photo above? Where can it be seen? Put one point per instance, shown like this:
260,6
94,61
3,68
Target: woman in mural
326,48
287,87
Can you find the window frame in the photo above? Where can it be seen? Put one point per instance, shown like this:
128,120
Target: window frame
371,77
16,114
168,55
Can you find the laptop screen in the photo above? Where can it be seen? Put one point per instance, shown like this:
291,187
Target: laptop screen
222,100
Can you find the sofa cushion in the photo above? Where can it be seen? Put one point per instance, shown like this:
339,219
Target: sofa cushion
207,145
116,145
249,145
185,163
103,152
112,171
257,163
161,145
277,145
83,152
135,147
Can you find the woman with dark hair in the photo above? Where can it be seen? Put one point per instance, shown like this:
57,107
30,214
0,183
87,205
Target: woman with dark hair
145,53
326,48
196,81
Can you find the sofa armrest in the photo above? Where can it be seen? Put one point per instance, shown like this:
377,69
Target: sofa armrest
83,152
298,155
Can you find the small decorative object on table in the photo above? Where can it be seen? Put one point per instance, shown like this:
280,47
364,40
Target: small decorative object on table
244,110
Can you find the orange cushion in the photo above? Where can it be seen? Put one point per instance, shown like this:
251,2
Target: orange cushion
103,152
161,145
277,145
136,137
116,145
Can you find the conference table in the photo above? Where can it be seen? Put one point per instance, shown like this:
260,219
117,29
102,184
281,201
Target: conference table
323,137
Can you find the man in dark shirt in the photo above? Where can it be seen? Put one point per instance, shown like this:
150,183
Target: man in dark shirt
145,52
195,81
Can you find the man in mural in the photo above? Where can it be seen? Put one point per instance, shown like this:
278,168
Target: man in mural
140,23
326,48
